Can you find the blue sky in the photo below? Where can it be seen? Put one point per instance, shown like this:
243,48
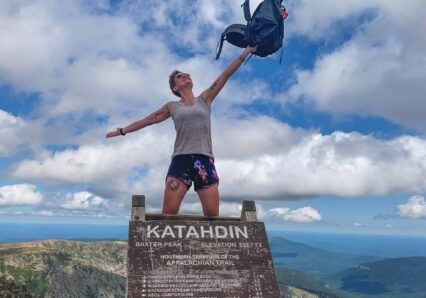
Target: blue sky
331,140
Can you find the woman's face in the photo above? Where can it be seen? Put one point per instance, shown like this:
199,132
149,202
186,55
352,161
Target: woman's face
181,80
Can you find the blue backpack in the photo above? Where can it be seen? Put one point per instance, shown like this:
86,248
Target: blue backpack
264,29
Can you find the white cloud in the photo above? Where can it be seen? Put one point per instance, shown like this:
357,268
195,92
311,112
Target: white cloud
122,71
231,209
240,139
19,194
255,157
317,19
380,71
196,26
11,129
75,67
101,84
83,201
70,213
46,213
415,208
38,41
68,60
312,164
225,209
357,224
112,160
301,215
388,226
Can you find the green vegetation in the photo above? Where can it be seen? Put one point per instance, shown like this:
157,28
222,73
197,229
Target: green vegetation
35,282
10,288
81,269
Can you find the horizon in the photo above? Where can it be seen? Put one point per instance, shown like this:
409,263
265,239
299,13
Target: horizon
385,246
271,232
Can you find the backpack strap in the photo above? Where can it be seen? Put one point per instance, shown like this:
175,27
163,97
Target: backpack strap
220,45
246,8
234,34
245,62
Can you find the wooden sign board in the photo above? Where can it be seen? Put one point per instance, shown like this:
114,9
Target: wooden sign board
199,258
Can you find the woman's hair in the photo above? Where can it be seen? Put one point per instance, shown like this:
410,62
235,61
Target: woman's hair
172,81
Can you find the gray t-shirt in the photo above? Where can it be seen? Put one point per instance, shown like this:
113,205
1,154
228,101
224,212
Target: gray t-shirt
193,127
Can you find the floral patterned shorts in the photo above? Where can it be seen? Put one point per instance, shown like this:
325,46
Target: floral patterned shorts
197,168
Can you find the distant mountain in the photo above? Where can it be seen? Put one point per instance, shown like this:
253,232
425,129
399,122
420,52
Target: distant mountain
386,278
312,260
302,281
57,268
63,269
401,277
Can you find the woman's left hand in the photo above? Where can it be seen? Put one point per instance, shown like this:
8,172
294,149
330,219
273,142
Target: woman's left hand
250,49
247,51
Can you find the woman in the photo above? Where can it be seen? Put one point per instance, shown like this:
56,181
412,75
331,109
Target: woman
192,159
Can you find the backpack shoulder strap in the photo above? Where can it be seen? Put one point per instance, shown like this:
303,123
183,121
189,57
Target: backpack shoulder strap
234,34
246,8
220,45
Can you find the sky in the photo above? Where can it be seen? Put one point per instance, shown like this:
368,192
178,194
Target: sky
330,140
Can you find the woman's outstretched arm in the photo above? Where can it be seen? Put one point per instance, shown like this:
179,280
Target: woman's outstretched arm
158,116
210,93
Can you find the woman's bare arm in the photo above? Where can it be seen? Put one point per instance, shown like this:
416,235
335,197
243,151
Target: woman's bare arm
158,116
210,94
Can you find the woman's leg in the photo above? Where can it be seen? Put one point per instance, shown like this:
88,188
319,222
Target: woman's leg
174,192
209,198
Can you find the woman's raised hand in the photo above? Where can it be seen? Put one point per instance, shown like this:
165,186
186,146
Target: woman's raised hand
251,49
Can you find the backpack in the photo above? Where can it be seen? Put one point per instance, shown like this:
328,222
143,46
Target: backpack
265,28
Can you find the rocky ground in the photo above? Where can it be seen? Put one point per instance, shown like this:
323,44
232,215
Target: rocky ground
63,269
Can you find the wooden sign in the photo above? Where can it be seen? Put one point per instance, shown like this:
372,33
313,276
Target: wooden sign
188,256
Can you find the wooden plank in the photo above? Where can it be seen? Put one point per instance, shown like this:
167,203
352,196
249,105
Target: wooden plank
150,216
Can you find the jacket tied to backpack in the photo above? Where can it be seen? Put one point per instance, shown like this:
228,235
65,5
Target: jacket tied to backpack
264,29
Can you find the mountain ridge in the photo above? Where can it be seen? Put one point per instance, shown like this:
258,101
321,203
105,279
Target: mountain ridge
61,268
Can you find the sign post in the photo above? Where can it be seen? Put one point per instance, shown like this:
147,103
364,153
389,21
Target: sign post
197,256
